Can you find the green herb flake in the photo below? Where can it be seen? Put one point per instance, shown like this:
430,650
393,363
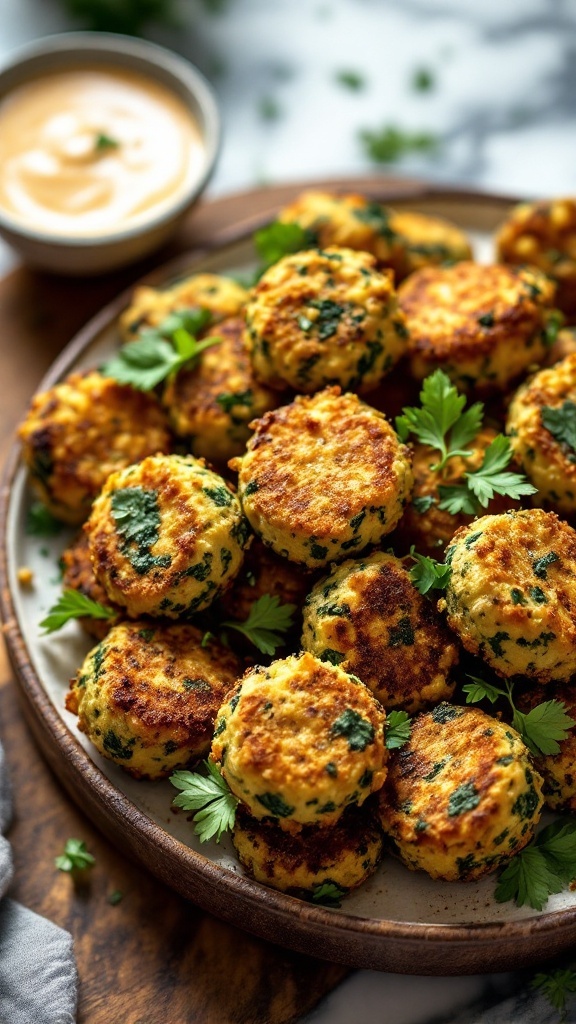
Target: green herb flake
540,566
72,604
75,857
357,730
423,80
115,898
560,421
210,797
40,522
397,729
463,799
275,804
352,80
137,517
103,143
328,894
390,143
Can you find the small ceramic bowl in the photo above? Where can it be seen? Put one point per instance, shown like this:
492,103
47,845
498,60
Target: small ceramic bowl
96,254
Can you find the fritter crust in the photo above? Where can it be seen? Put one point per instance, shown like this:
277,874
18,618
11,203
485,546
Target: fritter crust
482,325
222,296
549,463
369,617
324,316
461,797
300,741
511,597
166,536
147,696
212,404
323,476
345,854
543,234
78,432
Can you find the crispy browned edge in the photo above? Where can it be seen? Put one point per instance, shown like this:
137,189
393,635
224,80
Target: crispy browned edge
358,942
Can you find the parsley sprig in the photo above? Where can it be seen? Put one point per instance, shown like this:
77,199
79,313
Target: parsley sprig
442,423
428,574
210,797
328,894
545,866
72,604
266,624
75,857
397,729
557,986
281,238
160,353
40,522
542,729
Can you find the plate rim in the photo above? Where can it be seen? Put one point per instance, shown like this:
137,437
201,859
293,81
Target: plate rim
368,942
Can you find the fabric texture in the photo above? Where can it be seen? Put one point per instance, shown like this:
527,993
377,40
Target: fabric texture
38,982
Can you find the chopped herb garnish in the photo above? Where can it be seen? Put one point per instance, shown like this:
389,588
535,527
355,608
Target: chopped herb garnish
423,80
480,485
103,142
357,730
389,144
115,898
397,729
279,239
557,986
545,866
560,421
160,353
74,605
75,857
542,729
428,574
40,522
267,622
351,80
210,797
328,894
269,109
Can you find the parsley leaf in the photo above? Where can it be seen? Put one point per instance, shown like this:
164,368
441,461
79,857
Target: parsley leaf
160,353
72,604
423,80
279,239
556,986
266,624
483,483
75,857
428,574
40,522
541,729
542,868
441,422
210,797
104,142
352,80
389,144
397,731
560,421
328,894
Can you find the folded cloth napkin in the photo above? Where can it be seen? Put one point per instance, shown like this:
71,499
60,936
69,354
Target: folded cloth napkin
38,983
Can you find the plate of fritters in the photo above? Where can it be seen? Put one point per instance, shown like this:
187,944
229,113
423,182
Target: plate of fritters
302,509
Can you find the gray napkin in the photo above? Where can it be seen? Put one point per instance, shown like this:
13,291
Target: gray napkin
38,983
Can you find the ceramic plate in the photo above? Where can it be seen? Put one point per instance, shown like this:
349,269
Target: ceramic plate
398,920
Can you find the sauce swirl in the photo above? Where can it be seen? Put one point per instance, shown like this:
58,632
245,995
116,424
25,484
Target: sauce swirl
90,152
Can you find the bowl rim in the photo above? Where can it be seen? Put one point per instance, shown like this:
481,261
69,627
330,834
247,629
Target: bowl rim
175,66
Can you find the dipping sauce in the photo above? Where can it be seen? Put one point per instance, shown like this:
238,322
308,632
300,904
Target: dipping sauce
92,152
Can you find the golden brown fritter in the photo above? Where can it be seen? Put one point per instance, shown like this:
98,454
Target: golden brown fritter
461,797
221,296
324,316
542,424
300,741
322,477
368,617
212,404
148,694
79,575
166,536
80,431
426,526
421,241
344,855
482,325
511,597
350,220
543,235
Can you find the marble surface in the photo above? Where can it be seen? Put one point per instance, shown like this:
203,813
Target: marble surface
499,104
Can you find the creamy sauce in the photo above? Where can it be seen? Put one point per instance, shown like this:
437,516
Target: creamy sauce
91,152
